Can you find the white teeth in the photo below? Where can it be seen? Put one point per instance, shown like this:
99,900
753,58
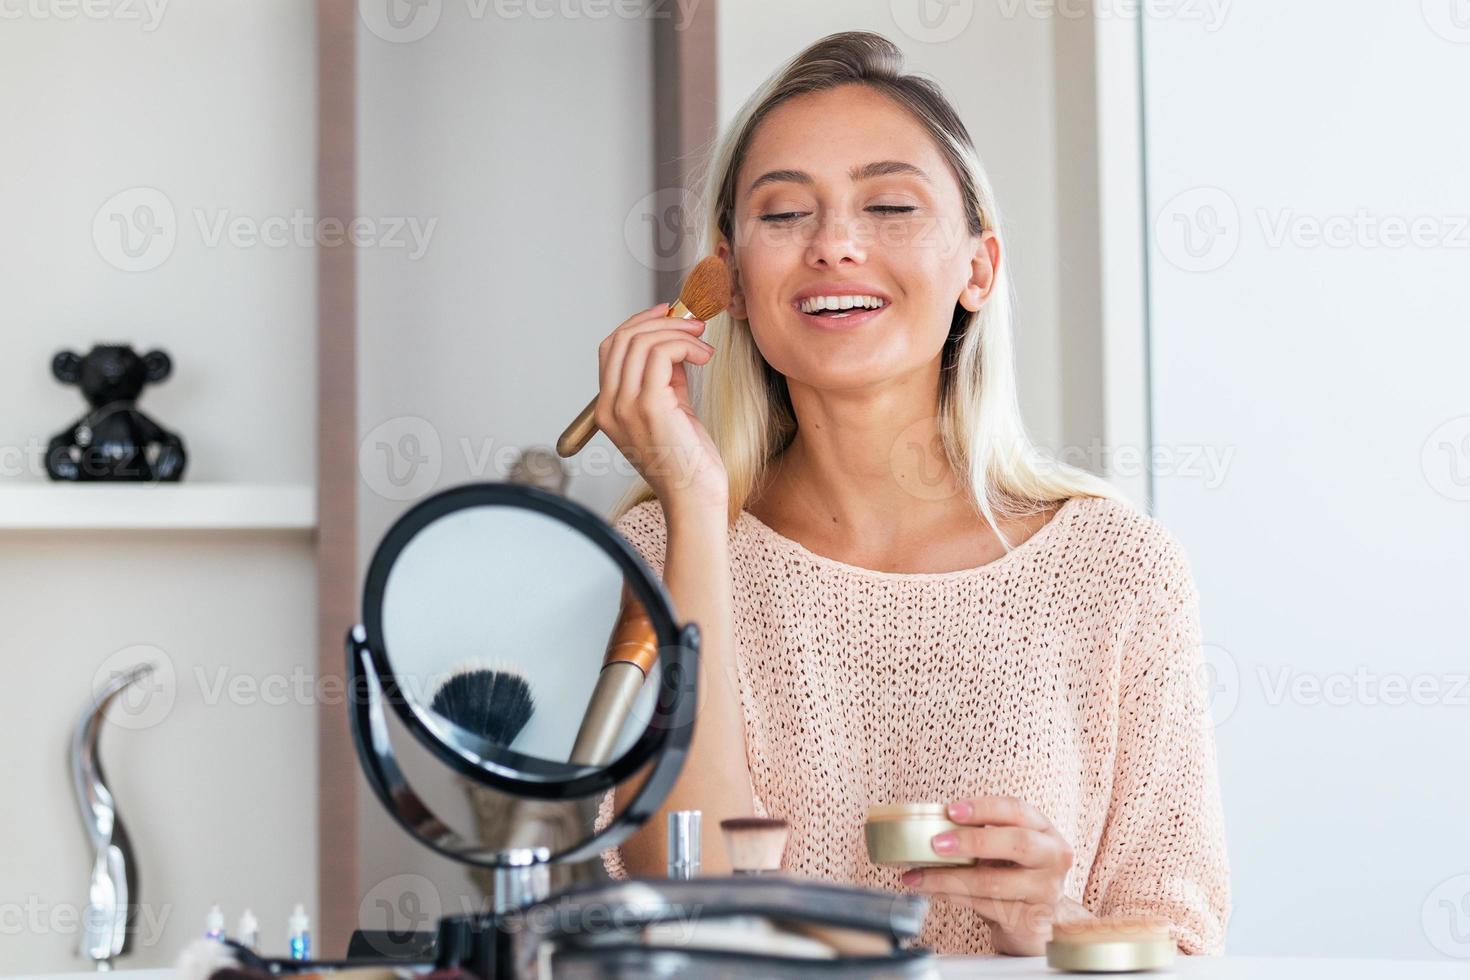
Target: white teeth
817,303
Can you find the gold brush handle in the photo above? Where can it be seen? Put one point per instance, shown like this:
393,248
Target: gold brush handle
577,435
584,426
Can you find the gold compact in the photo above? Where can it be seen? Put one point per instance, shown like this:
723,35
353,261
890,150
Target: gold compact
899,834
1121,944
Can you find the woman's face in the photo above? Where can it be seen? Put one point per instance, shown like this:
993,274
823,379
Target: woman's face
805,225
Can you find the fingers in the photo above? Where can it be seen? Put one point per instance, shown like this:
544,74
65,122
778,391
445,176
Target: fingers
1013,917
653,350
624,400
986,882
614,345
1026,847
610,351
1008,810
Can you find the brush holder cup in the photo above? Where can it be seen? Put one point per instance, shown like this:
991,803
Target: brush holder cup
529,651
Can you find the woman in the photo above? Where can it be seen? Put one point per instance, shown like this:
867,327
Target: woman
900,598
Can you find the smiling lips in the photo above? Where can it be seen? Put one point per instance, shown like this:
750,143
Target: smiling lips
840,309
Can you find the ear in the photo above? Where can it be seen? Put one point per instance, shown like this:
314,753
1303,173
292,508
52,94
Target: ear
737,295
157,364
67,366
984,264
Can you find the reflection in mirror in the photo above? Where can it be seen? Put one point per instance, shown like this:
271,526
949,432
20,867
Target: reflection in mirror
507,615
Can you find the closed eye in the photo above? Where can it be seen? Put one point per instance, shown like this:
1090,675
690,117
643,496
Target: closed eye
786,216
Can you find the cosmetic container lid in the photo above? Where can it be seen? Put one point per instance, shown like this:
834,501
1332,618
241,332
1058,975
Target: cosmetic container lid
907,811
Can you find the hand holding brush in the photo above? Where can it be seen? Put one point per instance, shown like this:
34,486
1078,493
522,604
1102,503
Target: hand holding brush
643,402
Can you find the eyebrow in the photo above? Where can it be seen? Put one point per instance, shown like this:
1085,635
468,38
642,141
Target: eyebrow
879,168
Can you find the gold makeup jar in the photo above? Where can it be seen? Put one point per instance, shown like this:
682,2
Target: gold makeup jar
899,834
1121,944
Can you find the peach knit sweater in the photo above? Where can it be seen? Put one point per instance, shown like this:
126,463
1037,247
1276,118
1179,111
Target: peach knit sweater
1065,673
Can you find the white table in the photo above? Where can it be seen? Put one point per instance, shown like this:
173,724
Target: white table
1194,967
1222,968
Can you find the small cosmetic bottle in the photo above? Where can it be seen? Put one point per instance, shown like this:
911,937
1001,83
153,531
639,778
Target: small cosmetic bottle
900,835
299,934
684,844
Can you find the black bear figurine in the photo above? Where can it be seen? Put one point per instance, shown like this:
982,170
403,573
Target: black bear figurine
114,441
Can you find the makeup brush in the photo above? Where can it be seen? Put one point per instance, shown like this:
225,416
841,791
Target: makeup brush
632,650
704,295
755,844
494,704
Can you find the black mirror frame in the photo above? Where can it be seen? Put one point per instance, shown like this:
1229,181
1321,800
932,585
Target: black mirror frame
371,681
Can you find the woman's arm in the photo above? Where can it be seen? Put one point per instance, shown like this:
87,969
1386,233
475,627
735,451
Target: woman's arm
715,778
1162,850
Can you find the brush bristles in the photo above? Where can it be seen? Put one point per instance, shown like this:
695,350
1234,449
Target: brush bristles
494,704
755,843
707,290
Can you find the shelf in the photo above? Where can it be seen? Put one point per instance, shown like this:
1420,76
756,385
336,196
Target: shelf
156,506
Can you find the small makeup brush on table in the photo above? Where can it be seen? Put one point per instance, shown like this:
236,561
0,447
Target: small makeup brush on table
704,295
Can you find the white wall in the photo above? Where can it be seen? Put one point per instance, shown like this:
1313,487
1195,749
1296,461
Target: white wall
528,143
212,107
1332,378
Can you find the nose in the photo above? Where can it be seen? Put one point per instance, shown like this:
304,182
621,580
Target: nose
838,239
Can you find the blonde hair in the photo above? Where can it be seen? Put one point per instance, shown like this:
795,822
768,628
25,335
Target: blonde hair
743,402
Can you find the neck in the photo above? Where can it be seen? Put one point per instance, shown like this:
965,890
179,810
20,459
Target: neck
868,461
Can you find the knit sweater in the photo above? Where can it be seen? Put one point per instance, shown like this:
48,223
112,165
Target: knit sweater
1067,673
